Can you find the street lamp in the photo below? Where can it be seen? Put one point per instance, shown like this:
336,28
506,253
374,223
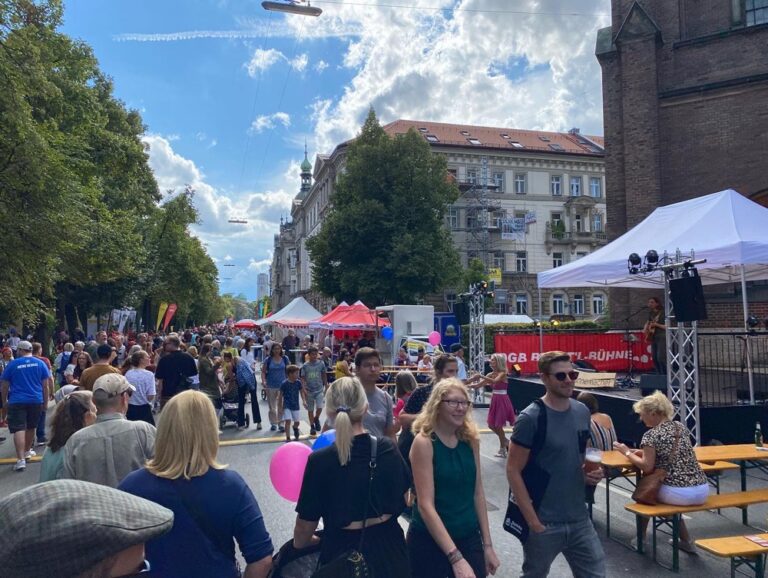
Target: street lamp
292,7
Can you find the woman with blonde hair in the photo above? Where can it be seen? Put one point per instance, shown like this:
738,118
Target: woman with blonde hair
211,504
449,533
358,503
501,411
667,445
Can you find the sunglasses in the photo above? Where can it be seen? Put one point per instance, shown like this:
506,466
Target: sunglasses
561,375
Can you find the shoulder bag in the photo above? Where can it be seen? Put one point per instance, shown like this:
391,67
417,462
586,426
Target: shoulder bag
536,480
647,489
352,564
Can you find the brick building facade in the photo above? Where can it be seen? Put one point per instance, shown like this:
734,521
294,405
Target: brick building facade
685,87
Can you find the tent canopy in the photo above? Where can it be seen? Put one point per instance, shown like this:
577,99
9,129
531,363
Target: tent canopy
246,324
725,228
325,321
356,316
298,313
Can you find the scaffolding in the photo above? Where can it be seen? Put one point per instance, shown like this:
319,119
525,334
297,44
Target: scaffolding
477,334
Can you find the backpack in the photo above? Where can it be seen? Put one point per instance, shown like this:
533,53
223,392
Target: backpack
65,357
268,362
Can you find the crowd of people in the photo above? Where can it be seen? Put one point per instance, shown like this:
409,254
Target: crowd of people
414,455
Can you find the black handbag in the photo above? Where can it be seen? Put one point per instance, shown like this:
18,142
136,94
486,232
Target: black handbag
352,564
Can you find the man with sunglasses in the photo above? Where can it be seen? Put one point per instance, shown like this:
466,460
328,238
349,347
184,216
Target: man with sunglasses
113,447
554,507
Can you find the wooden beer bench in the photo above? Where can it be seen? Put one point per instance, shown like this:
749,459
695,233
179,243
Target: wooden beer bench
741,550
665,515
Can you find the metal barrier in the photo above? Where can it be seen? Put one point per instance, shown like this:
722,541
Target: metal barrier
723,367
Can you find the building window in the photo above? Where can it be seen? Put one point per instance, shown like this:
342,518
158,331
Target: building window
471,218
556,219
498,180
558,304
577,224
580,254
595,187
598,304
557,260
575,186
453,218
521,262
577,305
756,12
450,300
498,260
472,176
497,217
501,308
521,183
556,185
521,304
597,223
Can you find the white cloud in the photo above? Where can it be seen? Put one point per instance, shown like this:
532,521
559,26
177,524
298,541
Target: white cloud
321,65
229,243
300,62
270,121
487,63
263,59
261,266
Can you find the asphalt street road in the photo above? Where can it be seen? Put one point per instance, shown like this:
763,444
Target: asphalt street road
250,453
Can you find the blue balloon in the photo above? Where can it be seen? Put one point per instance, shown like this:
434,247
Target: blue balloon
324,440
387,333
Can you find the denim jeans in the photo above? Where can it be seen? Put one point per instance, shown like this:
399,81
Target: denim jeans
577,541
41,426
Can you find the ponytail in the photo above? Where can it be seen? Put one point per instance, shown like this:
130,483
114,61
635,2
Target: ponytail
347,400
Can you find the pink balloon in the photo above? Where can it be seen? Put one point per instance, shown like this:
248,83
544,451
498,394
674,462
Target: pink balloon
286,469
435,338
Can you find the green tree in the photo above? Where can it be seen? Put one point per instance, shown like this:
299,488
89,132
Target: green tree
384,239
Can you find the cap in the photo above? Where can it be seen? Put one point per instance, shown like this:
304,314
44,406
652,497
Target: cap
112,384
456,347
24,346
64,392
84,523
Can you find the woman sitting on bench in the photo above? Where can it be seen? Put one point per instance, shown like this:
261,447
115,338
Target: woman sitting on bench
667,445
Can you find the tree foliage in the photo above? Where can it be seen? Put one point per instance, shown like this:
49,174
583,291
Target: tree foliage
384,239
84,227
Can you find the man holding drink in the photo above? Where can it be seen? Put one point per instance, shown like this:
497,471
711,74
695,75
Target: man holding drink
556,441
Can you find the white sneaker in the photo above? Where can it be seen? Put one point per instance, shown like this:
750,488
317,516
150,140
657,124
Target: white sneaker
20,466
30,454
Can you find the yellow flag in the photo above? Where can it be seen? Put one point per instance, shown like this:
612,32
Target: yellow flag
161,313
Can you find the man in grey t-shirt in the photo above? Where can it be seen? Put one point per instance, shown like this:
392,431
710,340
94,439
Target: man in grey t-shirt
561,522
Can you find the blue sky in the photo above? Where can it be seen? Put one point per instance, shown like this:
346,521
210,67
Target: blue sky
230,93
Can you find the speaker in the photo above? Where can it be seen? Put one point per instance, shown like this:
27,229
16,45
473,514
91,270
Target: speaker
461,311
687,296
650,382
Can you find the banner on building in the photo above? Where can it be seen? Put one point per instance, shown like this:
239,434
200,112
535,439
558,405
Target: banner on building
530,217
606,351
513,229
494,275
161,313
169,315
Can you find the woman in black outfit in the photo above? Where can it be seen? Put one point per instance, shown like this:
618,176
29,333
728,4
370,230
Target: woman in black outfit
335,488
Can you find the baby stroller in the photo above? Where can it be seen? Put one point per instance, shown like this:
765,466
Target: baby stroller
229,409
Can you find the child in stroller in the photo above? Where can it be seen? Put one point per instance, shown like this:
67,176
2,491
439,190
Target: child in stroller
229,408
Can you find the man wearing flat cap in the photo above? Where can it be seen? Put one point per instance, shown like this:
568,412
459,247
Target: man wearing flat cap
113,447
90,531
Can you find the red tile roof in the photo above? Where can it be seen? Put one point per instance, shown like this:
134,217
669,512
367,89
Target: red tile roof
501,138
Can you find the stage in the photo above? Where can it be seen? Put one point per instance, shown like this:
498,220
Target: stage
732,424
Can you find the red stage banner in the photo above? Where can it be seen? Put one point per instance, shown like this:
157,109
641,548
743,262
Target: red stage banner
606,351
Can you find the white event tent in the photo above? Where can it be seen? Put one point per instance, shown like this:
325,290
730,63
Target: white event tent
725,228
298,313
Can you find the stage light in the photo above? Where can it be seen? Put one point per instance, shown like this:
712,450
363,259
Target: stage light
633,263
752,322
651,260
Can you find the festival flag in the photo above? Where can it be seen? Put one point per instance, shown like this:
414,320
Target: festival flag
169,315
161,313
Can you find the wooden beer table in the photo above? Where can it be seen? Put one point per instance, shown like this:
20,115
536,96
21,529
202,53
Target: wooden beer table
747,455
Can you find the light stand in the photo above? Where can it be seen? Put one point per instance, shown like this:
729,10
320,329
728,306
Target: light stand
630,340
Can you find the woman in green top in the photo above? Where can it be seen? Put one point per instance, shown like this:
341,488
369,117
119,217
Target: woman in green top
73,413
207,370
449,535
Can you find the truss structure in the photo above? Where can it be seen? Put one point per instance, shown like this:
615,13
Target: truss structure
682,352
477,335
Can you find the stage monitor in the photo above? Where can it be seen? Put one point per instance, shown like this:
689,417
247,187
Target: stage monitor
687,296
650,382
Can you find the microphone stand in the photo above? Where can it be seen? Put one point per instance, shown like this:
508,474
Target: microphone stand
628,380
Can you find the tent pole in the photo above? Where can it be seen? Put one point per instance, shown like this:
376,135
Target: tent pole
541,322
747,345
